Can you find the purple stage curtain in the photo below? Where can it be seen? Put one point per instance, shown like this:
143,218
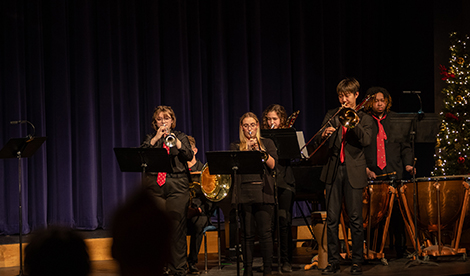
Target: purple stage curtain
88,75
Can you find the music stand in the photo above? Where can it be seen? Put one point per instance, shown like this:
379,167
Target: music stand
288,148
21,148
143,160
233,163
411,127
285,140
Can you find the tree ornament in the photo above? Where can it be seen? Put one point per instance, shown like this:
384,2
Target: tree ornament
439,163
460,60
438,143
459,99
461,160
451,116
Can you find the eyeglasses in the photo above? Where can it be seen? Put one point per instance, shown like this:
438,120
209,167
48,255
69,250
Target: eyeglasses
159,119
246,126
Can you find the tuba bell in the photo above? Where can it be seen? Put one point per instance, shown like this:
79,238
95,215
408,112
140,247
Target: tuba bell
214,187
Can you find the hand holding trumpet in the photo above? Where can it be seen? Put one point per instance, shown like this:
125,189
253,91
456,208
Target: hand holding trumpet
252,143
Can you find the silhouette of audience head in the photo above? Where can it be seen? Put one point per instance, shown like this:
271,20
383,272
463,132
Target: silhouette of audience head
56,251
141,235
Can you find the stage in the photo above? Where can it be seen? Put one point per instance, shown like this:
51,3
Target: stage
302,256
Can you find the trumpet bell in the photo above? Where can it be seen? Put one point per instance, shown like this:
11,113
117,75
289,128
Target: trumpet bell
170,140
348,118
215,187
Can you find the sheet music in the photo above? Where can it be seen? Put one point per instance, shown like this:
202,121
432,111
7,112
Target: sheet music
301,140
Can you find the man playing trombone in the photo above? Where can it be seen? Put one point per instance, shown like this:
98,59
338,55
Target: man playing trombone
349,131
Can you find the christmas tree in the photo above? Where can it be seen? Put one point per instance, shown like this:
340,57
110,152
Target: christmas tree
452,145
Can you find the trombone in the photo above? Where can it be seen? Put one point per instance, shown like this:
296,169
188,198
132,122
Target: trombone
347,117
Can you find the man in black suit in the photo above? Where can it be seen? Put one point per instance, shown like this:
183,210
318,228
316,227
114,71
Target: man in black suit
345,175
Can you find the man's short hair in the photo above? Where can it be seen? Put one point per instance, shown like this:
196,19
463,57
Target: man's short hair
348,85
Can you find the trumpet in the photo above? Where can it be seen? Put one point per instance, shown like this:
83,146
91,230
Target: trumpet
170,139
264,154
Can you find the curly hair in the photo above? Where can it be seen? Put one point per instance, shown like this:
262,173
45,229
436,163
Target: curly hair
281,113
373,91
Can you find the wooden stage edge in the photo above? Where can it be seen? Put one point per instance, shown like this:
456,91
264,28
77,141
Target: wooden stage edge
100,248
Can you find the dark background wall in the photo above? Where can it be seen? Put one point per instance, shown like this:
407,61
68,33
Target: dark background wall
88,74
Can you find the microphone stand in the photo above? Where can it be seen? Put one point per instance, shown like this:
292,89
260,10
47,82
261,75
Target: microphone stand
414,127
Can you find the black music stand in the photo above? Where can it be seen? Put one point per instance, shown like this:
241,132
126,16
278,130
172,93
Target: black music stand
143,160
20,148
233,163
287,149
285,140
411,127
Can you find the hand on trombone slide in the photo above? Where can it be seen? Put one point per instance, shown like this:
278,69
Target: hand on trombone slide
328,131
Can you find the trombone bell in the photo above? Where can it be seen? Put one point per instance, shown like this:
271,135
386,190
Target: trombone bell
348,118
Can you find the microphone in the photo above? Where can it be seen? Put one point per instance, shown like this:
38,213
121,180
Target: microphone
18,122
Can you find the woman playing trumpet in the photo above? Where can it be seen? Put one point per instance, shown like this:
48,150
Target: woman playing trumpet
256,195
171,190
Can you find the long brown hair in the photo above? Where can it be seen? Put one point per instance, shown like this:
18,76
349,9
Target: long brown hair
281,113
242,134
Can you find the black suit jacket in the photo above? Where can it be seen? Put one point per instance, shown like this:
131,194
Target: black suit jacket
356,139
398,153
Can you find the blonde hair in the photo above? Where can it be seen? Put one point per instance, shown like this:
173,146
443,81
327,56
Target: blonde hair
242,134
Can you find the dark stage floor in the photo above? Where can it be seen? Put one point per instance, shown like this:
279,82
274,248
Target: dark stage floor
302,256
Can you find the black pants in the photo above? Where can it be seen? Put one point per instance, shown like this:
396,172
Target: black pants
257,216
353,202
196,227
286,203
173,196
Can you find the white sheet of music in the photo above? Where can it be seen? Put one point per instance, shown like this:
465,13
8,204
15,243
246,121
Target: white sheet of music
301,140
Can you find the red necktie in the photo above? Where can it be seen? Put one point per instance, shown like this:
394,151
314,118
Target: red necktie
381,137
341,155
161,177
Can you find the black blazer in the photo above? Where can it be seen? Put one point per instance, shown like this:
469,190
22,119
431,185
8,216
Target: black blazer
356,139
398,153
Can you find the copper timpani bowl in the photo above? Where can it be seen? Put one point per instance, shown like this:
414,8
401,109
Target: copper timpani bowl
375,199
448,205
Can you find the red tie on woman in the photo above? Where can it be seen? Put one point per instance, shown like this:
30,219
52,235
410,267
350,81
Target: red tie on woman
161,177
341,155
381,137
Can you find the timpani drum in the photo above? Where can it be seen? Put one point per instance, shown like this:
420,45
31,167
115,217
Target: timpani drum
375,200
438,198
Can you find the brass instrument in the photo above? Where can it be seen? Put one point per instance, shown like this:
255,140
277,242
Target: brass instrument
170,139
291,119
264,154
347,117
214,187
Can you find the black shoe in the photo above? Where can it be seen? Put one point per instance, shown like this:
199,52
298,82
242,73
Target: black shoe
193,269
286,267
356,269
330,269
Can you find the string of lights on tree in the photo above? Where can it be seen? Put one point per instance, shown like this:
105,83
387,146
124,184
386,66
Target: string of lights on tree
452,145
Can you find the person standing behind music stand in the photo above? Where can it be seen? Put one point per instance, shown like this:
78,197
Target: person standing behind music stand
256,196
384,155
199,213
171,190
275,117
345,175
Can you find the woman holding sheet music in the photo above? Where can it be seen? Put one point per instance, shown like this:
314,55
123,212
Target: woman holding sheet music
255,195
275,117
